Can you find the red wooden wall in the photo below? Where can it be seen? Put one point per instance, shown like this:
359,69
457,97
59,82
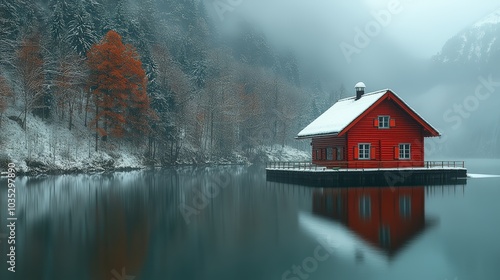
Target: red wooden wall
384,142
322,143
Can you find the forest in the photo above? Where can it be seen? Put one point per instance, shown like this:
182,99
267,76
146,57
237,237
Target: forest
156,76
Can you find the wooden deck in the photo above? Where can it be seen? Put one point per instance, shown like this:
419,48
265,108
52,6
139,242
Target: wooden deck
306,173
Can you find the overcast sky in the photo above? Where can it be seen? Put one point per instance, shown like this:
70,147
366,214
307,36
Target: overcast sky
421,26
324,33
398,51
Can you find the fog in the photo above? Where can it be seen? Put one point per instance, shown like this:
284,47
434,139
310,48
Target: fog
386,44
415,30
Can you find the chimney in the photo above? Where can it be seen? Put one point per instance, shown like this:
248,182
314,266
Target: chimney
360,90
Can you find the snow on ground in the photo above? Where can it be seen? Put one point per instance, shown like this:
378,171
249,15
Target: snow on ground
45,147
287,153
478,176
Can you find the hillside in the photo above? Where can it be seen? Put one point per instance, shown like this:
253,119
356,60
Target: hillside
466,68
173,92
477,46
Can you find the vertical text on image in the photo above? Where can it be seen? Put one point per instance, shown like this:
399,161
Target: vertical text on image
11,217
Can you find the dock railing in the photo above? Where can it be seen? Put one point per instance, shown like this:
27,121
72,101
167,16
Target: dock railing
301,165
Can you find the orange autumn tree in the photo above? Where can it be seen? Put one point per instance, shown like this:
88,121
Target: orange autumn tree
118,84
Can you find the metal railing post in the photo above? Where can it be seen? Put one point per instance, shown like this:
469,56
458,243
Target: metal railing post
303,165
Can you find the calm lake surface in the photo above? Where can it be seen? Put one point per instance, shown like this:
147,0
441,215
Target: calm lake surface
229,223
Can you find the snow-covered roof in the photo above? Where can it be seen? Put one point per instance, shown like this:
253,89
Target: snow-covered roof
341,114
347,110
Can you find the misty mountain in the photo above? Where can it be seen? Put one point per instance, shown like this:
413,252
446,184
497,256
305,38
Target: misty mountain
466,68
477,46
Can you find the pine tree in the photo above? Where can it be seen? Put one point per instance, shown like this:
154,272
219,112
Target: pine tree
148,23
119,89
10,23
81,34
97,12
57,25
28,15
121,20
10,19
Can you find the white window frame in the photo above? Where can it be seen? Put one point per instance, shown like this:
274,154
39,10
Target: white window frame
360,153
403,150
386,125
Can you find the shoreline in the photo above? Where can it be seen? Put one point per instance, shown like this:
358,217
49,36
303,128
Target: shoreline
100,170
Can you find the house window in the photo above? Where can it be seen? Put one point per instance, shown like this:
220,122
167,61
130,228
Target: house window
340,153
404,151
364,151
318,155
383,121
365,207
329,153
404,206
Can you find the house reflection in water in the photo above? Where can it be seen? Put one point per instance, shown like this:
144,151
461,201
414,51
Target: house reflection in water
386,218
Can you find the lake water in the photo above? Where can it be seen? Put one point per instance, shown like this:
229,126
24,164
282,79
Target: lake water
230,223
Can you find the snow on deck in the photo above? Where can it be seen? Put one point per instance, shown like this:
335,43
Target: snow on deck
341,114
324,169
481,176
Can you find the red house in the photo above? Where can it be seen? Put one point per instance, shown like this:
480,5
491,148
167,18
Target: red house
372,130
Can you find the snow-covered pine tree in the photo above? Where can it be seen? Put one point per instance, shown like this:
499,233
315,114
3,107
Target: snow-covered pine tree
199,72
10,19
58,27
98,16
10,23
120,22
148,20
81,33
